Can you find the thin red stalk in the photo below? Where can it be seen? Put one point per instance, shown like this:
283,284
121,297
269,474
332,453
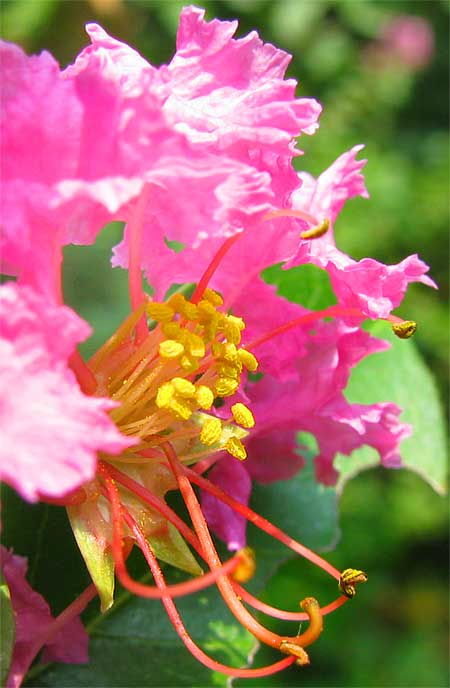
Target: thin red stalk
156,504
212,267
176,590
177,623
135,227
224,585
281,613
261,522
331,311
84,375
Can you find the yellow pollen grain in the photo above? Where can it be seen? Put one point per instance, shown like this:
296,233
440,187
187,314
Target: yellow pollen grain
235,447
229,352
226,386
248,360
190,311
195,345
211,431
204,396
181,409
164,395
242,415
183,387
213,297
172,330
170,349
160,312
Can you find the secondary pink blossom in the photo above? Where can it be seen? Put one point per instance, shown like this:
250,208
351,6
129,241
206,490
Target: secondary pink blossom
33,620
409,39
51,431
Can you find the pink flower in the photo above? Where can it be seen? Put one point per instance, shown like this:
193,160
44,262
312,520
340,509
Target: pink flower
197,152
409,39
35,626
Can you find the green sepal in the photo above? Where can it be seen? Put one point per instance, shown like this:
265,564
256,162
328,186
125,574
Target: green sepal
169,546
97,556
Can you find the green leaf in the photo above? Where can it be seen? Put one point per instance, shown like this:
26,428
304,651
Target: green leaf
135,645
8,628
307,285
304,509
401,376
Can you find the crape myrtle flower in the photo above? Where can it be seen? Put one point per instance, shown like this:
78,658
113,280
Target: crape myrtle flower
197,152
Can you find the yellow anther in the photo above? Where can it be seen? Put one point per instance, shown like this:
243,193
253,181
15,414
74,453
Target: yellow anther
290,648
177,301
242,415
170,349
229,352
164,395
190,311
404,329
226,386
189,364
204,396
181,409
348,580
206,311
171,330
195,345
183,387
235,447
211,431
246,568
160,312
228,370
248,360
232,333
213,297
240,324
316,232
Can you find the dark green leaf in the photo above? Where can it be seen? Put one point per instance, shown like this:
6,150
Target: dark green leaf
307,285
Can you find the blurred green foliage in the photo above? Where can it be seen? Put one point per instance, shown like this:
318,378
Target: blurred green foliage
392,523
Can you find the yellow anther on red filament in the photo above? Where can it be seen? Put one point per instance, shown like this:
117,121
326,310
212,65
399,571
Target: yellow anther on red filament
160,312
226,386
205,397
183,387
242,415
405,329
211,431
317,231
349,578
213,297
248,360
235,447
246,568
169,348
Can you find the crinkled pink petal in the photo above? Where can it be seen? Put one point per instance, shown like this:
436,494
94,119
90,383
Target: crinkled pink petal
231,91
33,619
51,431
232,477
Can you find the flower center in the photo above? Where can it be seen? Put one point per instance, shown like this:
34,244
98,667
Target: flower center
167,383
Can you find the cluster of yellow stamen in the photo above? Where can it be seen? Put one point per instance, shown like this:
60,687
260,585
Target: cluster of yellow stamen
167,383
203,343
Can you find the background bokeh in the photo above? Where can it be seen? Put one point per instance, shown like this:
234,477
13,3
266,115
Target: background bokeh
380,69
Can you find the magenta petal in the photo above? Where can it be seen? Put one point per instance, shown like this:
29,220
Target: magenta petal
232,477
51,430
34,619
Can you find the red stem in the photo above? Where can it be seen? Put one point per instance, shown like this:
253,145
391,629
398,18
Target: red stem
148,591
177,623
331,311
261,522
212,267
